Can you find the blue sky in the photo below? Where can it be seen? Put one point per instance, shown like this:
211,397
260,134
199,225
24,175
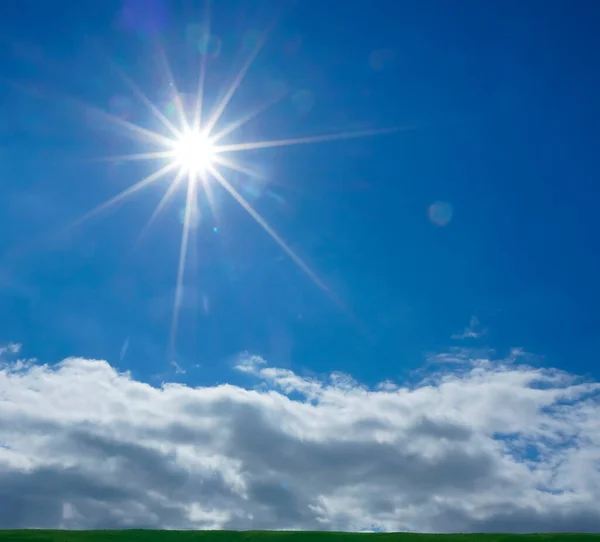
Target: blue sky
502,102
474,228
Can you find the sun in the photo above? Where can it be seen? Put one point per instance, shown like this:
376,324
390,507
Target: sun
198,155
194,153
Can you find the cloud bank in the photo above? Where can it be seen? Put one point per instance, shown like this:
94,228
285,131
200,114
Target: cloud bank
497,446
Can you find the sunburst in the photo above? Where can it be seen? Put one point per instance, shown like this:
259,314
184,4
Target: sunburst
196,154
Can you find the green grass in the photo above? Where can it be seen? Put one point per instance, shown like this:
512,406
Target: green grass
275,536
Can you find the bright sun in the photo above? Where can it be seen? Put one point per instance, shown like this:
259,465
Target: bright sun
194,152
200,154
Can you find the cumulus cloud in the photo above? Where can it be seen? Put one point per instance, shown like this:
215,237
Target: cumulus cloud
499,446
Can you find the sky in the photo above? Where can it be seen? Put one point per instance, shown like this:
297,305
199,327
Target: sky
392,327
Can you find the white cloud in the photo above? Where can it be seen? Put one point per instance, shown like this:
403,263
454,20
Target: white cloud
124,348
10,349
472,331
179,370
495,447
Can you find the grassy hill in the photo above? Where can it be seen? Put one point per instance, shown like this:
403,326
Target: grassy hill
275,536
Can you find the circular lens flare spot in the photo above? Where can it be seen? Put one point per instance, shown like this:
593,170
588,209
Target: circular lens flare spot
194,152
440,213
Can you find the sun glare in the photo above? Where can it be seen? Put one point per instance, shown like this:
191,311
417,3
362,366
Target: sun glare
194,153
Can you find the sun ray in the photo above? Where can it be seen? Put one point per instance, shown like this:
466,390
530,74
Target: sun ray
200,96
145,100
190,200
210,196
235,85
177,97
157,138
162,203
140,156
236,147
237,167
246,118
154,110
148,134
125,193
263,223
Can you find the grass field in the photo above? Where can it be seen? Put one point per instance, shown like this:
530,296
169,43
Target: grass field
275,536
